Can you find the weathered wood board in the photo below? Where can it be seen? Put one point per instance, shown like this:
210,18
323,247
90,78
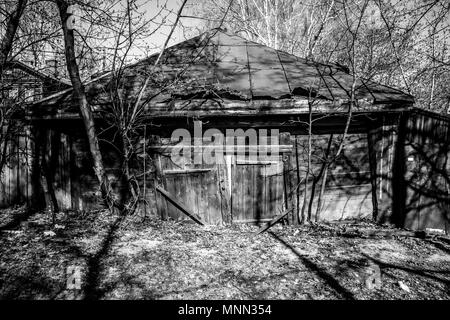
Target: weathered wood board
396,172
411,176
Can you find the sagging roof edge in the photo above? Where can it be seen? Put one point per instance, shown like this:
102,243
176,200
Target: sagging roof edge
236,113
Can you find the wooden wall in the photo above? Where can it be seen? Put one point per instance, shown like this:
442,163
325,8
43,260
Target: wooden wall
243,190
15,187
347,191
238,190
395,170
426,157
382,139
411,170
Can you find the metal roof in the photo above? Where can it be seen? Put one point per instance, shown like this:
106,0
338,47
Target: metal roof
224,65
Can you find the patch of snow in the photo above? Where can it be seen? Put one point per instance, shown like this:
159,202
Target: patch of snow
435,231
439,257
130,248
205,252
404,287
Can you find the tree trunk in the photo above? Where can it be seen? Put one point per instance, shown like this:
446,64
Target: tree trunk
322,191
47,175
85,110
4,138
11,27
297,165
316,179
5,48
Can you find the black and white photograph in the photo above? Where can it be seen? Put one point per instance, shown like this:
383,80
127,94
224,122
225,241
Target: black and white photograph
243,151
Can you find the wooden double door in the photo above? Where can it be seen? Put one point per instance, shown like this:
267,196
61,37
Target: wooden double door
236,191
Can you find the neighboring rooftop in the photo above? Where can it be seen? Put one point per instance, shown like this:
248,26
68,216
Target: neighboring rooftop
42,74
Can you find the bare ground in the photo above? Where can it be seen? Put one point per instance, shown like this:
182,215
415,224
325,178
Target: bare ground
125,258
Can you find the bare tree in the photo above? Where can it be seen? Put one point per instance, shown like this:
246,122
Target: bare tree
7,106
296,27
85,110
125,116
404,44
13,20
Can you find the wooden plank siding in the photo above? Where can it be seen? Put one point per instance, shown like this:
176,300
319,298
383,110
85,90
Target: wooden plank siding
426,177
347,192
250,192
260,190
394,169
382,141
16,176
411,177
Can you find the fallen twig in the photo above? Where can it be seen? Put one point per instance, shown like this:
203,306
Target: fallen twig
179,205
273,221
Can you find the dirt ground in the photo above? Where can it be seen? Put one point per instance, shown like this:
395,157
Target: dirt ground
126,258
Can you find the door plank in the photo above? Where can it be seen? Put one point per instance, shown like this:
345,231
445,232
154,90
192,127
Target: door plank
178,205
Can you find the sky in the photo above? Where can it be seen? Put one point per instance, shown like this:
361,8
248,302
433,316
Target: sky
153,44
184,30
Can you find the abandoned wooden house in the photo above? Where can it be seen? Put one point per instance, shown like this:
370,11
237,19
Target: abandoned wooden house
393,166
22,84
28,83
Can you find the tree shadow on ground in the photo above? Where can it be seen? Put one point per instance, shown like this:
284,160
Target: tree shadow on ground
28,284
25,286
92,288
440,246
329,279
427,273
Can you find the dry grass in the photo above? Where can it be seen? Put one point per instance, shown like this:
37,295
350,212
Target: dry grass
129,259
